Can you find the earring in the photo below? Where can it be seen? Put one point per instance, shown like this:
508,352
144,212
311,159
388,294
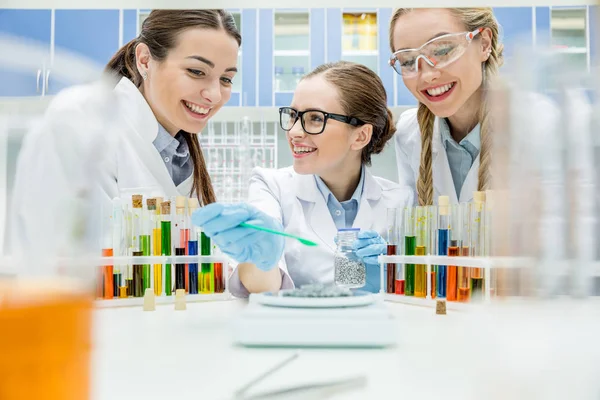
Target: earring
144,75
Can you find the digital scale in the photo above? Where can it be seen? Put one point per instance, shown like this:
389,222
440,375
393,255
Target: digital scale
272,320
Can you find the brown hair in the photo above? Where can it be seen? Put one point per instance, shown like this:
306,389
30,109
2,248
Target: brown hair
160,32
472,18
363,96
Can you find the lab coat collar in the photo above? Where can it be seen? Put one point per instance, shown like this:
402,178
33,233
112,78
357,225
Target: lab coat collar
307,190
320,219
139,115
136,109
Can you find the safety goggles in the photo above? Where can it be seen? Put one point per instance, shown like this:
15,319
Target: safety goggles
438,53
313,121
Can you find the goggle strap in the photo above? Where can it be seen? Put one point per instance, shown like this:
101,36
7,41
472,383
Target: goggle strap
476,32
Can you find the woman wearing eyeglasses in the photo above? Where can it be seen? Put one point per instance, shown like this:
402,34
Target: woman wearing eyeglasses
446,58
337,120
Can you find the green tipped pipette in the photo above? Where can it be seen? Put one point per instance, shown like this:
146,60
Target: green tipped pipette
305,242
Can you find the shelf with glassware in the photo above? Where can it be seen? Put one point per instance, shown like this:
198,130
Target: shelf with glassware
359,38
291,52
569,35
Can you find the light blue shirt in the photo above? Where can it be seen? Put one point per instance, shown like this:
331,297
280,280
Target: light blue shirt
343,213
175,154
460,155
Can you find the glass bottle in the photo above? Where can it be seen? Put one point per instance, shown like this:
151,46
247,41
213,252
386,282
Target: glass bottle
349,270
279,79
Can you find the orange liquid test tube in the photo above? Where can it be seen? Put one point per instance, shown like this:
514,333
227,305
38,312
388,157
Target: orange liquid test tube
108,277
452,281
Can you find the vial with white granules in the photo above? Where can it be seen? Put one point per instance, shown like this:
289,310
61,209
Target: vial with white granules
350,271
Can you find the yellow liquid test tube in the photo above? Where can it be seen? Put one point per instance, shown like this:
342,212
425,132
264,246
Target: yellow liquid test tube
422,237
154,216
156,251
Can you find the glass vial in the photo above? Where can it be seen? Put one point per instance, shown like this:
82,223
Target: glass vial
349,270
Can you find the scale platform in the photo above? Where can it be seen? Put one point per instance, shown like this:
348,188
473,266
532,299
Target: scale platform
363,324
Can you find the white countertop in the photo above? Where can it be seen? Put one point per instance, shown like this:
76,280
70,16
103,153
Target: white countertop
166,353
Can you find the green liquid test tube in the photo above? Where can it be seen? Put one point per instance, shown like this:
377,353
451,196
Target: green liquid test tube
207,284
410,243
165,229
145,245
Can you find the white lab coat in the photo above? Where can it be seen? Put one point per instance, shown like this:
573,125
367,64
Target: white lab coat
296,202
543,116
113,129
408,156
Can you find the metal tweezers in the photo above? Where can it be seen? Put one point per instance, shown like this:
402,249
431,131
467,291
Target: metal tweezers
321,389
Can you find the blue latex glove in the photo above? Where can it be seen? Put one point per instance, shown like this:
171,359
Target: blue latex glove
368,246
220,222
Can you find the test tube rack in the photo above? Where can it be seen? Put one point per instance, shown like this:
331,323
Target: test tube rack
162,260
485,263
233,147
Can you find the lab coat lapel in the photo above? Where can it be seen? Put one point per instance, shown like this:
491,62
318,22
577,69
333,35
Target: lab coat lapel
443,183
371,193
471,182
144,129
315,209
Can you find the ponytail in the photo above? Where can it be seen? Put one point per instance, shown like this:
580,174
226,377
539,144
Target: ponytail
123,64
202,184
425,182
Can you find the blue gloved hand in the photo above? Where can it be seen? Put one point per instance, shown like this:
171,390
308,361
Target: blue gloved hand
220,222
368,246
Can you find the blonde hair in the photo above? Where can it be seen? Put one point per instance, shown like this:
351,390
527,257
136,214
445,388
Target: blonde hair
472,18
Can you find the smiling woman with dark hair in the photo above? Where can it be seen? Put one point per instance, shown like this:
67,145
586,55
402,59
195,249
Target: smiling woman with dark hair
171,79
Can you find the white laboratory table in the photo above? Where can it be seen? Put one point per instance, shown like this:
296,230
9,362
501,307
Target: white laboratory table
526,351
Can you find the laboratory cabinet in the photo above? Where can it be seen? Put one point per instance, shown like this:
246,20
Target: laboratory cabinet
279,46
92,34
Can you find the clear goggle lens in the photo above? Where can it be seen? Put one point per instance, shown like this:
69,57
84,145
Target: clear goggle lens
439,53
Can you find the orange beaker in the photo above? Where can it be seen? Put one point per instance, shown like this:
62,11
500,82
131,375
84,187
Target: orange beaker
45,340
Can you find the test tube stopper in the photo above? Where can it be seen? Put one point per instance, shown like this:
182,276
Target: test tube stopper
440,307
180,300
149,300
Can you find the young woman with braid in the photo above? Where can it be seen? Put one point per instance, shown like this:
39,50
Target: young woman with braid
446,58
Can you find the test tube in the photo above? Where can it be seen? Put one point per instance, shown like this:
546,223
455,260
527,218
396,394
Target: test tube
180,269
477,243
182,217
410,242
432,218
464,273
106,279
488,228
145,245
193,248
118,242
138,277
136,221
165,231
193,267
393,238
207,279
454,247
442,234
219,277
156,243
422,242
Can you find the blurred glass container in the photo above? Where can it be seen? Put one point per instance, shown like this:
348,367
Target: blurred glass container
279,83
45,340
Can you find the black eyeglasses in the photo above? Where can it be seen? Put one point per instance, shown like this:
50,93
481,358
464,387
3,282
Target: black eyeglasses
313,121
